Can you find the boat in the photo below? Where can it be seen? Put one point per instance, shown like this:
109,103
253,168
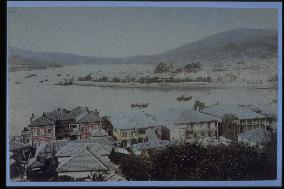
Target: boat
184,98
139,105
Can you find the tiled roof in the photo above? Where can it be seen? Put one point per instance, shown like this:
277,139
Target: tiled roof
240,112
152,145
80,115
73,147
91,117
50,147
84,160
191,116
175,116
42,121
135,119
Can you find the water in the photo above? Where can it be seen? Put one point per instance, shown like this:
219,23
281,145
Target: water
33,97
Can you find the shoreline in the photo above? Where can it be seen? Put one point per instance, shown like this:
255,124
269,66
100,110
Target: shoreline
183,85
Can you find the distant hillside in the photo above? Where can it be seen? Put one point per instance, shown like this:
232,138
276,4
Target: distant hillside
224,47
221,47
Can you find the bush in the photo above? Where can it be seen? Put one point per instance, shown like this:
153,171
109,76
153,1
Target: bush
195,162
103,79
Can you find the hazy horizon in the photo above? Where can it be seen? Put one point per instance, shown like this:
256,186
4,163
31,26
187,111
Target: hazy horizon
123,32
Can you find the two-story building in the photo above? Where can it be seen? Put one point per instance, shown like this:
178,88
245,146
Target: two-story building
189,124
137,127
236,119
76,124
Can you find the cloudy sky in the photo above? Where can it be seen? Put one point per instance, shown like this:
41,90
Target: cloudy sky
112,32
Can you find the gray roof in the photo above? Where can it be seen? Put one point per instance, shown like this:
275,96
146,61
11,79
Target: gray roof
74,147
80,115
176,116
135,119
90,118
18,146
84,160
50,147
152,145
240,112
42,121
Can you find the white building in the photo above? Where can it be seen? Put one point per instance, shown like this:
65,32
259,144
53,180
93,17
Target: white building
189,124
137,127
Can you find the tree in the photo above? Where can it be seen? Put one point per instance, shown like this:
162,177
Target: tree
161,68
199,105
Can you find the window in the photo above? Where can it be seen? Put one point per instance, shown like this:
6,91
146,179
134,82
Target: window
73,128
132,133
89,128
124,134
34,132
28,141
141,131
38,132
49,131
82,129
41,132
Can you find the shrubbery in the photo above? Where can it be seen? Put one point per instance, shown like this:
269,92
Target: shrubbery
195,162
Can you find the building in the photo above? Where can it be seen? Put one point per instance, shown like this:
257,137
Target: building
189,124
86,158
76,124
235,119
137,127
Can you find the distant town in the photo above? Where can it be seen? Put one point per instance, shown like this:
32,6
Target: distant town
80,145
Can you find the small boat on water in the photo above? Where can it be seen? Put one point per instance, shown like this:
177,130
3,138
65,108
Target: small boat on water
139,105
184,98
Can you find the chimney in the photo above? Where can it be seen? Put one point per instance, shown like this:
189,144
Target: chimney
32,117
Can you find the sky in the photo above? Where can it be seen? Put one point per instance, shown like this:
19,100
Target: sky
124,31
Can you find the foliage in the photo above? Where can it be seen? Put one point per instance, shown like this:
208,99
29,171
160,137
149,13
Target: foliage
103,79
86,78
193,67
115,80
199,105
195,162
161,68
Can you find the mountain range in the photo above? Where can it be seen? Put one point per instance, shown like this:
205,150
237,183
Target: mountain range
223,47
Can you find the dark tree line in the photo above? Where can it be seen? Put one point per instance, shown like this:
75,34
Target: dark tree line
195,162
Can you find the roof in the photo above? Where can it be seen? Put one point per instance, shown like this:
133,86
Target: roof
90,117
171,115
42,121
84,160
184,116
79,114
152,145
238,111
50,147
135,119
74,147
18,146
256,136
